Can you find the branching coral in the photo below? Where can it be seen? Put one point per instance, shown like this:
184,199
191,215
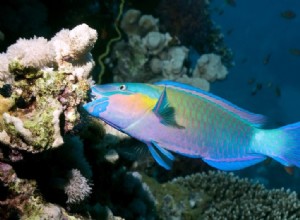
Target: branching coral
78,187
48,79
220,195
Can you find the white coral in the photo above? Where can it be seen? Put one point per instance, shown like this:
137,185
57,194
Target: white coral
155,41
129,22
72,50
173,64
195,81
82,39
210,67
148,23
35,52
58,140
133,23
5,76
78,187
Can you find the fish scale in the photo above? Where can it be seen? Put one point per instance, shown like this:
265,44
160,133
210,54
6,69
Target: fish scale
216,119
170,116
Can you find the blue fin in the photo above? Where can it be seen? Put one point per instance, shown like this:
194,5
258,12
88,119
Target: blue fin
163,151
164,111
233,165
291,154
162,159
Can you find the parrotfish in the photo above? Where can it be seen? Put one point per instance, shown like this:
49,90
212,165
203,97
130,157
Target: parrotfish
171,117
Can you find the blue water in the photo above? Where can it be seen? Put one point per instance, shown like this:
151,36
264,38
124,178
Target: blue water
257,31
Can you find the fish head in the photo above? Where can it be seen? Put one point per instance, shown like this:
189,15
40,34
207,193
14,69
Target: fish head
121,104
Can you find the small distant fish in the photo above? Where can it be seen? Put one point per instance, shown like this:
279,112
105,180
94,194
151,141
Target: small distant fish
270,84
221,12
267,59
258,86
294,51
229,32
251,81
174,117
288,14
231,2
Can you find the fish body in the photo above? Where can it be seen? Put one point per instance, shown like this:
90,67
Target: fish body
174,117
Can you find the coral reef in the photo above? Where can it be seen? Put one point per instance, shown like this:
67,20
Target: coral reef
195,28
78,187
220,195
21,200
148,55
45,79
88,175
210,68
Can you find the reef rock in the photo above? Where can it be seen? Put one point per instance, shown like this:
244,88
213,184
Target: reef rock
41,81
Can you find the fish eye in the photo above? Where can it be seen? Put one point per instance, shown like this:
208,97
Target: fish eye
122,87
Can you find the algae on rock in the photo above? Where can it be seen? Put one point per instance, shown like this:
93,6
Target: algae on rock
47,81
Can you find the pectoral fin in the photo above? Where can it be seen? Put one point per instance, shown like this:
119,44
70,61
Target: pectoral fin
165,111
163,157
163,151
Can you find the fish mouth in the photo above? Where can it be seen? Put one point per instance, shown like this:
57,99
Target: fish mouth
100,91
97,106
99,101
96,93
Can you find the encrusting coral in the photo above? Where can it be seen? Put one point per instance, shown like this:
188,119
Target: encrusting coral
47,79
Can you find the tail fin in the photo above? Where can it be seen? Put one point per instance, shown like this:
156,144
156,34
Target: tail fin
282,144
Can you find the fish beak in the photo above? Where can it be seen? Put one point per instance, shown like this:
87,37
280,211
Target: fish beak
99,101
87,106
96,93
96,107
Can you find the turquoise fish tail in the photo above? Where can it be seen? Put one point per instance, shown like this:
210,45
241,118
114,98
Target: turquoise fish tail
282,144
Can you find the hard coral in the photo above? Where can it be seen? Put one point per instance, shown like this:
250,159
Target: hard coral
47,79
220,195
190,22
148,55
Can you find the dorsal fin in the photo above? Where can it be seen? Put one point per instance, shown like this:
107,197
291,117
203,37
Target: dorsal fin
255,119
164,111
